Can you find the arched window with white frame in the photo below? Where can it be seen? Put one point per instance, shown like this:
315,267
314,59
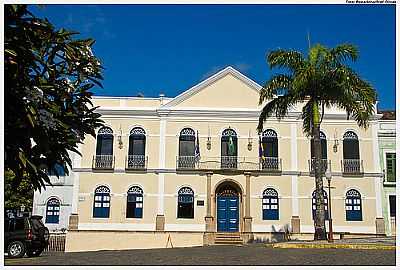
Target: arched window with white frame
229,149
351,153
101,203
270,204
269,150
353,205
134,202
187,149
137,148
185,203
104,148
53,211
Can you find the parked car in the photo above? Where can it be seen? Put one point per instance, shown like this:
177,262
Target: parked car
25,235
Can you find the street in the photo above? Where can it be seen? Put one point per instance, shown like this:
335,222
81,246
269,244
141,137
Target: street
254,254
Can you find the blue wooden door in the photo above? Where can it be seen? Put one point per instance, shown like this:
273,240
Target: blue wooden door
227,213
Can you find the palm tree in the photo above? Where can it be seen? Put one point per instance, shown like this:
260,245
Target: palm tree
320,80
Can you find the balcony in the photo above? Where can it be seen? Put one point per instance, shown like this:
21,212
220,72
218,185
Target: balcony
311,165
229,163
103,162
271,164
136,162
352,167
186,163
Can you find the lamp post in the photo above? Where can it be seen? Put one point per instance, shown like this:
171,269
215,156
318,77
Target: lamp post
328,175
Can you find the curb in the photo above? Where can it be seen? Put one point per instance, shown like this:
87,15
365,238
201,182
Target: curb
334,246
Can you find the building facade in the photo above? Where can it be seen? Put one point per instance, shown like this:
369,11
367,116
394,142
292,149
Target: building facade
185,170
54,203
387,153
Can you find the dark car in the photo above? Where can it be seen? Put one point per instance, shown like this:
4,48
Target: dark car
25,235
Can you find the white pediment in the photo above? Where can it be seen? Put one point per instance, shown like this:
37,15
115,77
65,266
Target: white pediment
226,89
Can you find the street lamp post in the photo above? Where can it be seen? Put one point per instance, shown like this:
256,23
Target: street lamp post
328,175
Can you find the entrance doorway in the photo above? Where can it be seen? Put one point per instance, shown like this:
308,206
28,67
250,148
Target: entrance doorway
228,199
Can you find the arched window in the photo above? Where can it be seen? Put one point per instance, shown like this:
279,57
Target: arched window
185,203
324,152
137,148
104,148
53,211
101,205
353,205
269,150
270,204
187,148
134,203
351,153
314,204
229,149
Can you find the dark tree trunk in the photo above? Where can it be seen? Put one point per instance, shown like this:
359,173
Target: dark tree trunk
319,221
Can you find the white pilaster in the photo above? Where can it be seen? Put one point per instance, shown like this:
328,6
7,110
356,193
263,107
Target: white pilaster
76,163
377,168
161,165
293,152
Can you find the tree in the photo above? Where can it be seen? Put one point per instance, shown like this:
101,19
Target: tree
16,195
48,111
321,80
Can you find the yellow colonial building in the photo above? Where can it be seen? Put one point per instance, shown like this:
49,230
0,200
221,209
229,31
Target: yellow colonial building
192,170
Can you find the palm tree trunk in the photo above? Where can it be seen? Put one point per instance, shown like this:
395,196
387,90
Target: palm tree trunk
319,221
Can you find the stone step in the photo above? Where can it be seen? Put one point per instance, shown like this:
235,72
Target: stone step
228,237
228,242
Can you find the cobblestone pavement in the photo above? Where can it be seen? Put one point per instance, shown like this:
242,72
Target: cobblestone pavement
390,241
254,254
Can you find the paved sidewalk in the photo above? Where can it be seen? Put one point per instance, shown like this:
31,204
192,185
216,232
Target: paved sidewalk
384,243
253,254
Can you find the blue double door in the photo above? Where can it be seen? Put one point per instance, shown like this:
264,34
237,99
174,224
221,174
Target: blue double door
227,213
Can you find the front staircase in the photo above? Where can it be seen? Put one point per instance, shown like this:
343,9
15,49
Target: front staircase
228,239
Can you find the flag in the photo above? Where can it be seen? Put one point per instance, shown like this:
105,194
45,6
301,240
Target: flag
231,146
197,148
260,147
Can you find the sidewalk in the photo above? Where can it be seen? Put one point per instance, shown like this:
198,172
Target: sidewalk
382,243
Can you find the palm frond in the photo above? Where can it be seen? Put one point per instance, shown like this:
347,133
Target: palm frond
278,106
344,52
285,59
306,115
277,82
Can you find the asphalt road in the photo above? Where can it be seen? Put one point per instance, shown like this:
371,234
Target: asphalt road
255,254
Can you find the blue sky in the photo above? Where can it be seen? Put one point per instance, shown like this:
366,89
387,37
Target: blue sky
169,48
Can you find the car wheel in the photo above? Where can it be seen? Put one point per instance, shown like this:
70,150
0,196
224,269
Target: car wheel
16,249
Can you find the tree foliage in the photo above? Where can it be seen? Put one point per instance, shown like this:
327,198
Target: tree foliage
16,195
320,80
48,109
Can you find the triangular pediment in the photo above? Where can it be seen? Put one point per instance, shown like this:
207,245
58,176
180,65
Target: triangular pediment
227,88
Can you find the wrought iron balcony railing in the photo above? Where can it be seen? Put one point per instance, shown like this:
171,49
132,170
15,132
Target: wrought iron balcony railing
136,162
186,162
103,162
229,163
352,166
272,164
311,165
